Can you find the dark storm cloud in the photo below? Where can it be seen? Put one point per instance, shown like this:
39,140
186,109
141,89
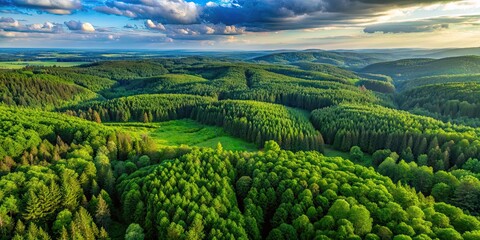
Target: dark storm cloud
299,14
60,7
425,25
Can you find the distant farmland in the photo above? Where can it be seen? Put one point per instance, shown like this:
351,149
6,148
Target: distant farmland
21,64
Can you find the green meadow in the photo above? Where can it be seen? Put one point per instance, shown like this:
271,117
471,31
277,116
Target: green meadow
185,132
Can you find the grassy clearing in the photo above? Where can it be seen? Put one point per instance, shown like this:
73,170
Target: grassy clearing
186,131
20,64
181,78
330,152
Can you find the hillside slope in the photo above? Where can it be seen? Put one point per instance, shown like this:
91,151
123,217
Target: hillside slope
416,68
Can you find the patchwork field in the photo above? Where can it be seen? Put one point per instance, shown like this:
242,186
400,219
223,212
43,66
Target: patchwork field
20,64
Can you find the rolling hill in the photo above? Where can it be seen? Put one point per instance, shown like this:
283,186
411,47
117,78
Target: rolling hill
349,60
416,68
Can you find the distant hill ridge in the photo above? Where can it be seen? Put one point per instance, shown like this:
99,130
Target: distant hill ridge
350,60
422,67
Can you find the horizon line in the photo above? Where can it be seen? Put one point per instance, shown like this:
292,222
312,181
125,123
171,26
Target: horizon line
230,50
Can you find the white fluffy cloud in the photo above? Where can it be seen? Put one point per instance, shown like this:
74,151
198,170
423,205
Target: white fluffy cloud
195,31
8,23
166,11
12,25
155,26
232,30
80,26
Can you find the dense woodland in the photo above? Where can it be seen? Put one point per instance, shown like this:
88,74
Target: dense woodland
140,108
26,88
407,133
430,80
57,176
282,195
408,69
449,99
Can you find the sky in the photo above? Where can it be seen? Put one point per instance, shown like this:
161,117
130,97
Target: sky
239,24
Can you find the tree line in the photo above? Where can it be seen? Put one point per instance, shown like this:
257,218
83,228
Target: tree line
122,70
453,100
39,90
258,122
373,128
140,108
253,121
438,79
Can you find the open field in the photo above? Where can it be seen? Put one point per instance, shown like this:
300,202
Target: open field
187,132
20,64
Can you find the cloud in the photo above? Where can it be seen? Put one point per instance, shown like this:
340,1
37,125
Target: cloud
6,34
80,26
266,15
14,32
258,15
406,27
8,23
130,26
223,20
12,25
87,40
105,29
154,26
424,25
13,11
194,31
165,11
60,7
45,27
232,30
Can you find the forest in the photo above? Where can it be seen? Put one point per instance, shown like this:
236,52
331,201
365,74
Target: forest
291,145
